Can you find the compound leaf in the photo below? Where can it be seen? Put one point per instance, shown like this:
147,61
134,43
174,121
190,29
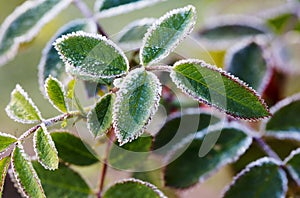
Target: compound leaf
136,102
63,182
91,56
129,188
24,174
262,178
230,145
215,87
72,150
21,108
99,119
6,140
165,34
56,94
24,24
45,149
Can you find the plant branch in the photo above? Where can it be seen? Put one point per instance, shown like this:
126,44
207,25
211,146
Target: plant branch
159,68
266,148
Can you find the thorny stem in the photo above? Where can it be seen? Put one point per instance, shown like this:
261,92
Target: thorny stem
266,148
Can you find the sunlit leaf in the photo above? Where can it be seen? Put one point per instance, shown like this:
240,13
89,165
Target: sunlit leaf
24,23
135,104
72,150
99,119
129,188
45,149
231,144
91,56
4,163
50,63
262,178
217,88
6,140
21,108
24,174
63,182
166,33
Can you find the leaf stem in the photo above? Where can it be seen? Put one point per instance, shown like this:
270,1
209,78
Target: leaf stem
266,148
159,68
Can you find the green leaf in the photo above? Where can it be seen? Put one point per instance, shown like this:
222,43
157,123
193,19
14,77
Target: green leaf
24,174
133,33
56,94
285,122
72,150
131,155
129,188
91,56
136,102
166,33
45,149
179,126
231,144
21,108
248,63
282,21
71,89
63,182
4,163
154,177
292,163
215,87
6,140
108,8
50,63
24,23
99,119
262,178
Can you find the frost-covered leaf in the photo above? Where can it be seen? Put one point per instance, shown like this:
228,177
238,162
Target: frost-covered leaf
292,162
262,178
231,144
166,33
217,88
63,182
56,94
72,150
108,8
4,163
248,62
133,33
50,63
135,104
285,122
45,149
24,23
99,119
130,155
91,56
21,108
24,174
6,140
129,188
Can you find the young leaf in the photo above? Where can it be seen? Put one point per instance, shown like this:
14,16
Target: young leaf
63,182
21,108
108,8
6,140
135,104
24,174
50,63
4,163
45,149
231,144
217,88
164,35
248,62
56,94
285,122
262,178
99,119
72,150
24,24
91,56
133,33
130,155
129,188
